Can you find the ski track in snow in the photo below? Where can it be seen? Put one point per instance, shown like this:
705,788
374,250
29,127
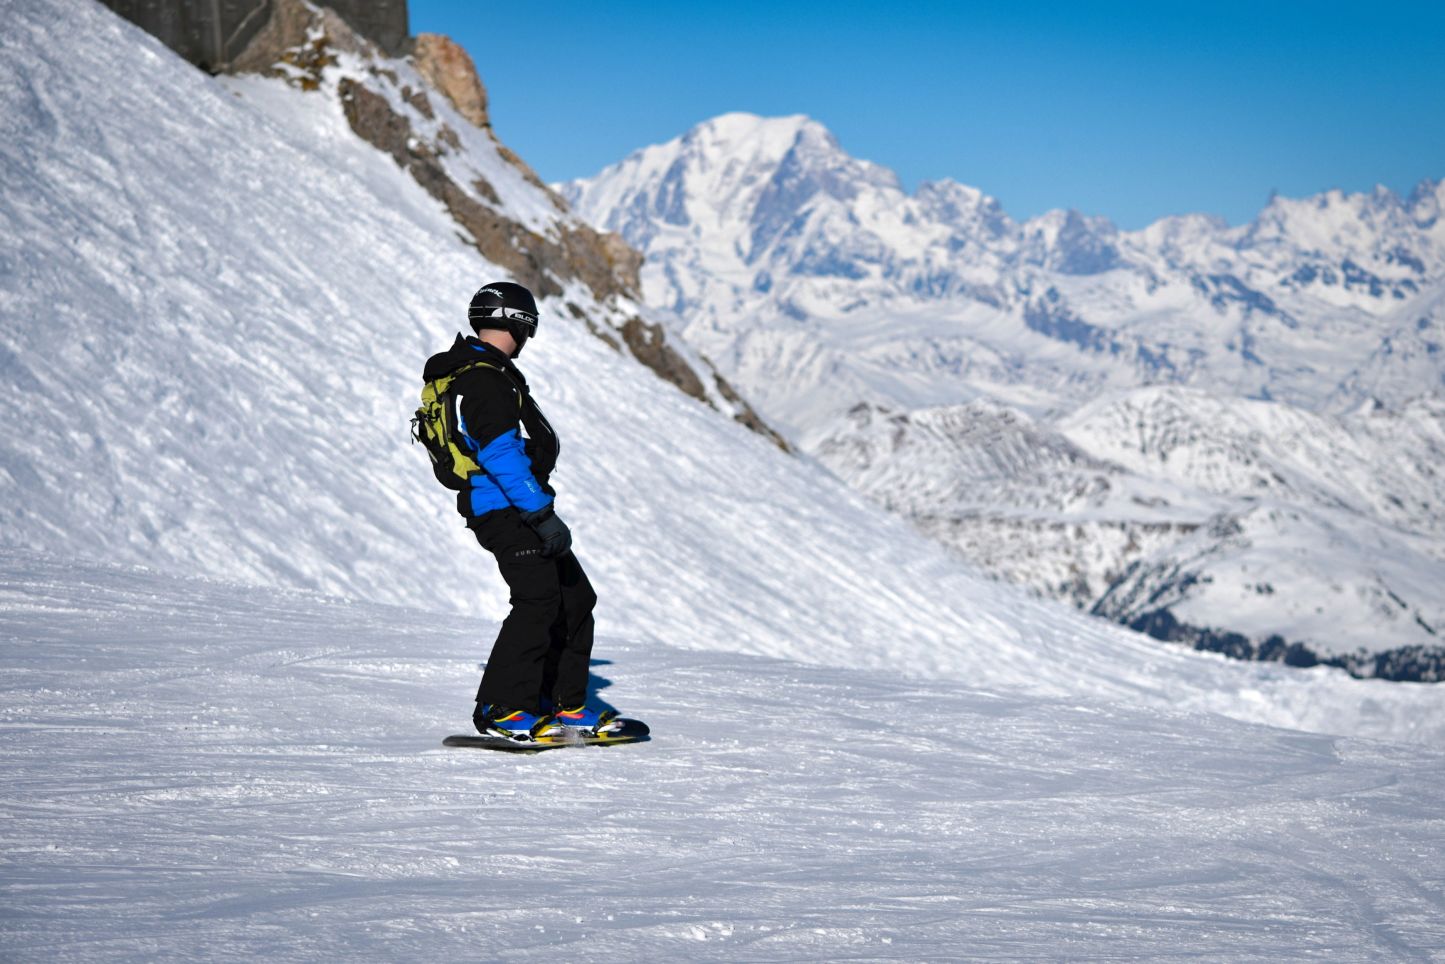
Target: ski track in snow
197,770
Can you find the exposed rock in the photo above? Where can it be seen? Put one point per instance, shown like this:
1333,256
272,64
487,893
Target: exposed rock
300,36
419,100
648,344
745,415
215,36
510,156
449,69
525,255
603,334
300,41
603,262
1409,664
606,335
481,185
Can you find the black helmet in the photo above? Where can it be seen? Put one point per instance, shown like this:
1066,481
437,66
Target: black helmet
505,306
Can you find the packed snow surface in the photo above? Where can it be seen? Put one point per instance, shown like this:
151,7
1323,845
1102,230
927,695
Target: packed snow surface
195,770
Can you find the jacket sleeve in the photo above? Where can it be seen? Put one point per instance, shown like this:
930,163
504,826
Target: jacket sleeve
489,412
505,461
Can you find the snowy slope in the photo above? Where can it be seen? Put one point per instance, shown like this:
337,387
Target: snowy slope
1345,503
1014,494
217,381
201,771
826,292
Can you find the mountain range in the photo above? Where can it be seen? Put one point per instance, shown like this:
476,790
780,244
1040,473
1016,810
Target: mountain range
1225,436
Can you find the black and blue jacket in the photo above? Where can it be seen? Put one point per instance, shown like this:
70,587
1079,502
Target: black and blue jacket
493,408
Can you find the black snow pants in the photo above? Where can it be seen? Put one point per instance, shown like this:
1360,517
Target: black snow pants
545,644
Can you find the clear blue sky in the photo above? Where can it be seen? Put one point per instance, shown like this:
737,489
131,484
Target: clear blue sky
1133,111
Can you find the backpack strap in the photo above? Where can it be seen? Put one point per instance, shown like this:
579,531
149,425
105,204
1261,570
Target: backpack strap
472,366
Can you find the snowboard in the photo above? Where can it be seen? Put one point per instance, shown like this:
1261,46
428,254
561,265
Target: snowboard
621,731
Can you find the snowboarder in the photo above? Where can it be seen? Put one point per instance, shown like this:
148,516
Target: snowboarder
535,682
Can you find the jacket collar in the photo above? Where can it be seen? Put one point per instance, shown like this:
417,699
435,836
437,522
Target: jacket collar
476,348
492,352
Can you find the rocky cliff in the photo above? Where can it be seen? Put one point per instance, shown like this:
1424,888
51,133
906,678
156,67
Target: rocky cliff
428,111
213,33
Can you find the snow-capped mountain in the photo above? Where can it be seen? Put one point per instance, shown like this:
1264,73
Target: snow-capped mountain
981,374
747,220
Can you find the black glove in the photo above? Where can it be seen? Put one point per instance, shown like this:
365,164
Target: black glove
556,537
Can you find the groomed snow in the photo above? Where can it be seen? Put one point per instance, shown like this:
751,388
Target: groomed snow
196,771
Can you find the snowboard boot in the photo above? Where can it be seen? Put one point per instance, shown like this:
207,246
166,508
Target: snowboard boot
492,720
584,719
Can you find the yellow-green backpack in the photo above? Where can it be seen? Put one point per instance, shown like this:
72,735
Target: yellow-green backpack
435,427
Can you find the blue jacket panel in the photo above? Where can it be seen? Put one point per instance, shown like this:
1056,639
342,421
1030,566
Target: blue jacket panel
484,497
508,478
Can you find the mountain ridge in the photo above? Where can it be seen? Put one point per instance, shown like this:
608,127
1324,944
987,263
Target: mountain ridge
820,286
